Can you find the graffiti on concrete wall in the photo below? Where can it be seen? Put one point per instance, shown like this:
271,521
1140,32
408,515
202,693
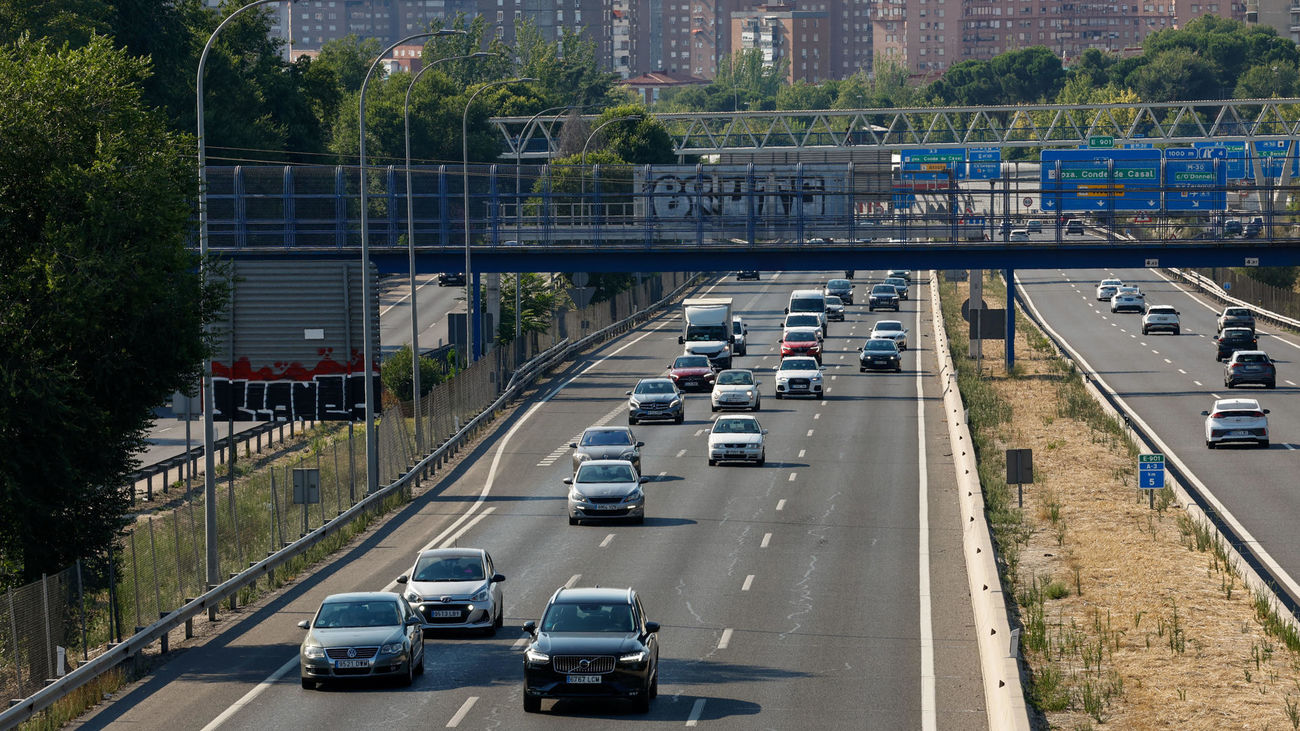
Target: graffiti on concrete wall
329,390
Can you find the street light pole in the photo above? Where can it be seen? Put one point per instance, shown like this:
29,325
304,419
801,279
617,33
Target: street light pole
209,401
471,353
372,437
410,244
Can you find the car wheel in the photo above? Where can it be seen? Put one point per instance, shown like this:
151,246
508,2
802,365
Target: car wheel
1144,331
406,680
778,396
631,421
713,463
1227,384
654,686
419,669
758,404
862,369
871,309
762,459
641,704
679,418
1271,384
308,684
532,704
1209,444
639,520
714,408
1178,331
573,520
1263,444
899,369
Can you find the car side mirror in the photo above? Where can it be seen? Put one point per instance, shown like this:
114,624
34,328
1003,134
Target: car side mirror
1266,411
1176,312
573,445
651,627
1205,413
403,579
530,627
758,383
498,578
643,479
627,393
412,620
787,310
305,624
764,431
744,330
568,480
640,444
681,339
731,338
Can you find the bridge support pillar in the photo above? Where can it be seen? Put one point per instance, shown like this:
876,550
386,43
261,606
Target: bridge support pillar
493,310
474,310
1010,342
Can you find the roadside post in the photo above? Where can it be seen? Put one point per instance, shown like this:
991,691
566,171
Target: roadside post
1020,470
1151,475
306,491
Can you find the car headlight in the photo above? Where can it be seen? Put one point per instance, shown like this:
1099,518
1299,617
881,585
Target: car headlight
412,596
749,394
574,494
633,657
628,456
391,649
633,403
538,658
481,596
582,456
634,496
314,652
674,402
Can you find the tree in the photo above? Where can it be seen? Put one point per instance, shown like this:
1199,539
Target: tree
58,21
1173,75
639,142
1027,75
567,70
395,372
470,71
101,305
538,299
1268,81
802,95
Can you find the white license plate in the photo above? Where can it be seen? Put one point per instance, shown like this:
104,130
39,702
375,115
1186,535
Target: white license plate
584,679
353,663
445,613
735,454
799,388
1239,433
606,506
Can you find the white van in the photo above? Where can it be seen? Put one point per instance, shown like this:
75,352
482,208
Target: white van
808,301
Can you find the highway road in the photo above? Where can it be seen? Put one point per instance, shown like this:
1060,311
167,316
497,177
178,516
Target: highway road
826,589
1168,380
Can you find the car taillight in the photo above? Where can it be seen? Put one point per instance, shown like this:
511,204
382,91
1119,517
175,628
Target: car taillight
1217,415
1257,414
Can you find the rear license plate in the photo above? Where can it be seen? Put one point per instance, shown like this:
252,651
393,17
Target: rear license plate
353,663
584,679
1239,433
445,613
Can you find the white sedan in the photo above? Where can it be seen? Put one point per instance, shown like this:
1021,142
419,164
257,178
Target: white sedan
891,329
798,375
1236,420
736,388
1128,302
737,438
1107,288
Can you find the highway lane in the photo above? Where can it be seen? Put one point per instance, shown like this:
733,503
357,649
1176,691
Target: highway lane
787,593
1168,380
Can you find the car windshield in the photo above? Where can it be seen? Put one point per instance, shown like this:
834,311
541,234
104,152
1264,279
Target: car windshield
449,568
884,289
896,281
800,336
838,284
691,361
886,345
808,304
605,438
654,387
888,326
736,328
1252,358
1235,333
1238,414
1160,310
604,473
798,364
1236,311
1110,283
376,613
735,378
834,301
588,618
705,333
735,426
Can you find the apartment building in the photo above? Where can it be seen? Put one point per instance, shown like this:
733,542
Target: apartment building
1283,15
784,34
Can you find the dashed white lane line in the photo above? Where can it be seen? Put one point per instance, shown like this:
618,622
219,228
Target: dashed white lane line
1292,383
834,377
1157,352
697,710
810,432
572,581
1216,395
663,473
1198,383
1170,362
519,643
680,453
1142,343
699,432
780,504
725,639
792,474
802,452
824,403
250,695
767,538
608,539
464,709
816,417
1180,370
749,580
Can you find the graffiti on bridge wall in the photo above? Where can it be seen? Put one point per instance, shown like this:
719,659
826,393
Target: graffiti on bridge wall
680,192
291,391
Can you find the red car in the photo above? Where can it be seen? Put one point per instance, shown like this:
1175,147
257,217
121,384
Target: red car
692,373
800,341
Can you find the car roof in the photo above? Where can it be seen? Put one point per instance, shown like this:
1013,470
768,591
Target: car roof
582,594
886,322
891,341
360,596
736,370
800,358
1248,352
605,428
1232,404
737,417
654,380
627,462
1161,307
810,332
460,552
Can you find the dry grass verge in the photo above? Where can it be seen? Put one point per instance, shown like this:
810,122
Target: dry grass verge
1131,617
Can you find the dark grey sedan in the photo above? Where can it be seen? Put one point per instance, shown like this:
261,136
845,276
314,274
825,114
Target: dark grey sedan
607,442
362,635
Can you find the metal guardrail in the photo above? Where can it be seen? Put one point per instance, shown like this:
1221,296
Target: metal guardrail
210,601
179,461
1212,288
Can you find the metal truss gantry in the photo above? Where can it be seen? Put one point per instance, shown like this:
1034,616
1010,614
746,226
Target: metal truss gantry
1033,125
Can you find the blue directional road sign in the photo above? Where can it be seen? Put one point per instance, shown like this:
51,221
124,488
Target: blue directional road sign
1273,154
1234,151
985,163
1151,471
1195,185
1101,180
925,163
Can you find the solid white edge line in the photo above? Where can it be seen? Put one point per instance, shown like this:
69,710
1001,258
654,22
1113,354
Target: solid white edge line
929,710
697,710
1257,547
464,710
257,690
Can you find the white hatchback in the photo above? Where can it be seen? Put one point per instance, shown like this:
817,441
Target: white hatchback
736,388
891,329
737,438
1161,317
798,375
1236,420
1107,288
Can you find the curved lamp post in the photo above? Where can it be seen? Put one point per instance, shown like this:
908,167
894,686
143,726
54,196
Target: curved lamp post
583,170
471,353
410,241
209,401
372,438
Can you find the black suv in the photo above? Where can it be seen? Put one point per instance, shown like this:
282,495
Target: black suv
451,279
841,288
883,296
592,643
1233,339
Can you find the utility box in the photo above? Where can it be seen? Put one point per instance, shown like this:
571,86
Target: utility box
306,486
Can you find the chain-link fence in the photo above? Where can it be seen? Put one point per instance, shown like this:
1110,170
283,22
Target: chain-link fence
160,562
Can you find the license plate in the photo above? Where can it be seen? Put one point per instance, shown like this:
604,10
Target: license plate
353,663
1239,433
584,679
735,454
445,613
799,388
604,506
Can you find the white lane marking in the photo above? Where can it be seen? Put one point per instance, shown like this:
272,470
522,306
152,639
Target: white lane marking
780,504
824,403
1180,370
698,432
696,711
1143,344
749,580
250,695
810,432
464,709
767,538
1170,362
816,417
1198,383
834,377
1157,352
1216,395
605,543
1123,330
519,643
663,473
572,581
680,453
1290,446
802,452
792,474
929,717
725,640
1291,382
469,511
